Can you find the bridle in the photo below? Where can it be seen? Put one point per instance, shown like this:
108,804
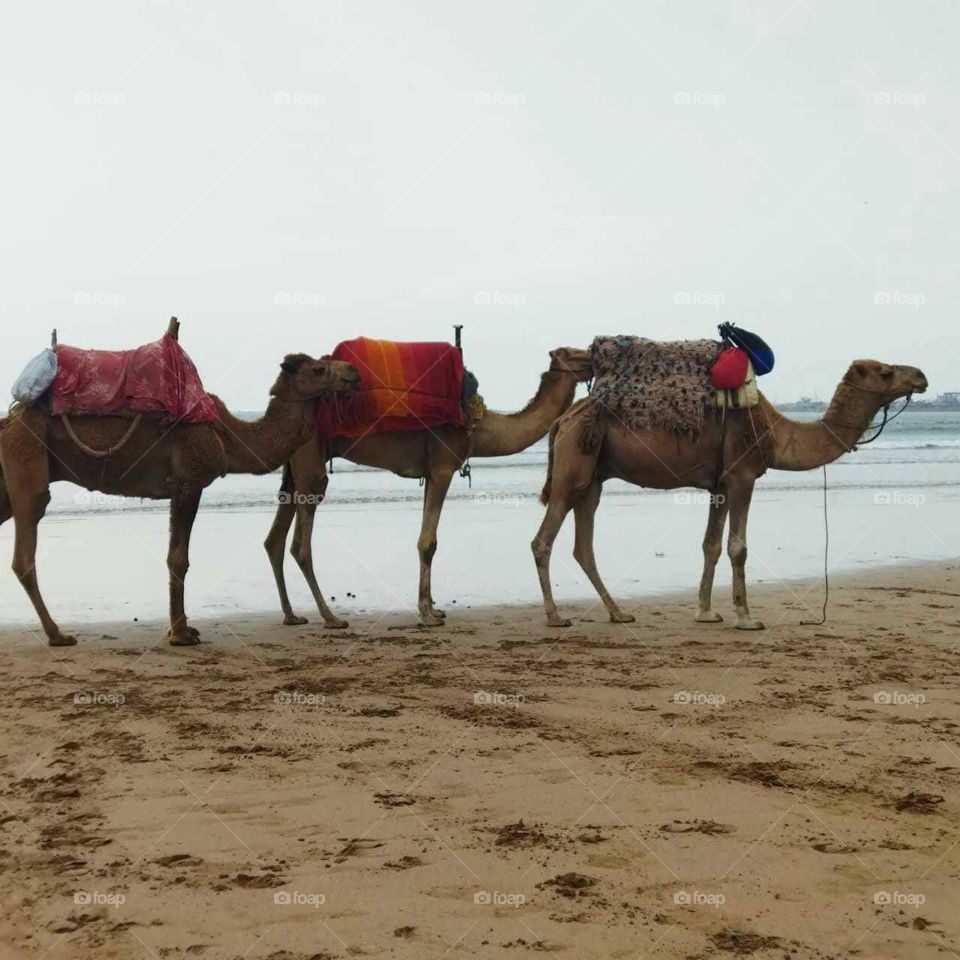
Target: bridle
879,427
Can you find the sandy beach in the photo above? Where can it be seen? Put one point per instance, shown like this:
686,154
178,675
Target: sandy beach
493,788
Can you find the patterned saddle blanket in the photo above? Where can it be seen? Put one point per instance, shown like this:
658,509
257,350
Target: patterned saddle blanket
404,386
653,384
158,377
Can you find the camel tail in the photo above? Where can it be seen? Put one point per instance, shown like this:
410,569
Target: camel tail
545,492
286,483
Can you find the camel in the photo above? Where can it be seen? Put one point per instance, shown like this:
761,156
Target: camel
752,441
159,461
435,455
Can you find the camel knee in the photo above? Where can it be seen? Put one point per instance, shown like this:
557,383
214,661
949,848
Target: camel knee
712,550
22,567
737,550
300,553
541,550
581,553
427,548
274,545
178,562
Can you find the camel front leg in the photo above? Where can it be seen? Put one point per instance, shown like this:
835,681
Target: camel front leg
740,496
183,511
712,548
274,545
434,494
302,551
583,513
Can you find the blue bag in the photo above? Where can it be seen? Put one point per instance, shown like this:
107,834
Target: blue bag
761,356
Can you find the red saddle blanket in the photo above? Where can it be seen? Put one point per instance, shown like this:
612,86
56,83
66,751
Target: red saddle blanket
158,377
404,386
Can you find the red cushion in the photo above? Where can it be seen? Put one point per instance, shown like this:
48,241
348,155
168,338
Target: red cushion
730,369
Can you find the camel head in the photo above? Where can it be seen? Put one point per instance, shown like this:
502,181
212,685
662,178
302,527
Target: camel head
572,360
888,381
304,378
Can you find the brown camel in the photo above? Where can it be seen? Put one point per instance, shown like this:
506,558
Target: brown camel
753,441
159,462
435,455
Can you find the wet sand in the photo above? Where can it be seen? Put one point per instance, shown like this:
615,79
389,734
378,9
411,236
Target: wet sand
493,788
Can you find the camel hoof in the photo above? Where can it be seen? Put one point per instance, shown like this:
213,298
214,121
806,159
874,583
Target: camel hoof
708,616
750,625
193,631
428,620
556,621
438,613
187,639
622,618
291,620
62,640
336,624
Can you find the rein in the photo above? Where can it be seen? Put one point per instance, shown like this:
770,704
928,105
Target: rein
826,522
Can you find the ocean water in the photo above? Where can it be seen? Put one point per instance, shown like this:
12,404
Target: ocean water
896,500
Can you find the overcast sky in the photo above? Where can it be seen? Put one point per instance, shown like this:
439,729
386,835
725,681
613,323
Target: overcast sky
285,176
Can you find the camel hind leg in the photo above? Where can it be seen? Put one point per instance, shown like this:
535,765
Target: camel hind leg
570,473
584,511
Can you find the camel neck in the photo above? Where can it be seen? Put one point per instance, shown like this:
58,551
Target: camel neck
804,446
500,434
261,446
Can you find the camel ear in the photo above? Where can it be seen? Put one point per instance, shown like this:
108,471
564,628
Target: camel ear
860,369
